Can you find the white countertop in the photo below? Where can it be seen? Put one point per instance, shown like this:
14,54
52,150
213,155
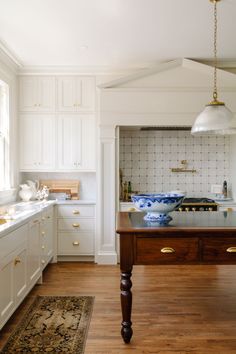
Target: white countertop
20,213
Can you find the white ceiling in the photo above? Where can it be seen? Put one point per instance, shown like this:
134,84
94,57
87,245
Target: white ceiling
115,33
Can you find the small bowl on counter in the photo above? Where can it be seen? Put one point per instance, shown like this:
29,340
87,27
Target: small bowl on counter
157,206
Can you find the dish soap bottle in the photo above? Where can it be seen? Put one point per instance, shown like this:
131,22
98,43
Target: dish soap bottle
225,189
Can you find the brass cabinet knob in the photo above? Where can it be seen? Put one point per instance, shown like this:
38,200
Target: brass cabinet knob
75,243
43,233
43,261
210,209
76,225
76,212
43,247
16,261
167,250
131,209
231,250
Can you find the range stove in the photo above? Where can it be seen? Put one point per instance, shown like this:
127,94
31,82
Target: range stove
198,204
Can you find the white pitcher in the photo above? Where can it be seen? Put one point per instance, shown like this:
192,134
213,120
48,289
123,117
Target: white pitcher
34,186
25,192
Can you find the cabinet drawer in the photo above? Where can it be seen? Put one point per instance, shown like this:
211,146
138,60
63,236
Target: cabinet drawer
13,240
76,224
65,211
155,250
219,250
47,215
75,243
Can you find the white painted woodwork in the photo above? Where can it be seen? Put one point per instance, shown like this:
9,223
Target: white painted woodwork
76,230
75,94
37,94
34,251
37,142
47,236
76,142
12,274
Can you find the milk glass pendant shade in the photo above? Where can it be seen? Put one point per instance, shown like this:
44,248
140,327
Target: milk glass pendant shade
216,118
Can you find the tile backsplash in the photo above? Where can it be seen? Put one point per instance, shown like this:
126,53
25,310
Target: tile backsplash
146,159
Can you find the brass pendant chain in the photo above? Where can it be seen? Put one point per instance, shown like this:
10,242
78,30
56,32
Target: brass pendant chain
215,95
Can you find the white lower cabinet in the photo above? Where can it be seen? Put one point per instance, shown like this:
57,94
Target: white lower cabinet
76,230
21,254
47,233
13,276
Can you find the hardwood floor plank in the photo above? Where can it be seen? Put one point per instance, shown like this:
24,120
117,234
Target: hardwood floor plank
176,309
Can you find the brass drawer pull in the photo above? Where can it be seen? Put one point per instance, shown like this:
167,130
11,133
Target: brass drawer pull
76,225
43,233
43,247
75,243
231,250
131,209
167,250
76,212
17,260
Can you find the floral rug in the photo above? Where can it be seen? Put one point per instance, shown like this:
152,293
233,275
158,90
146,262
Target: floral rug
53,324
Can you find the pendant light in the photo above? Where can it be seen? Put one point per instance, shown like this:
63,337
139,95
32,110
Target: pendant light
216,118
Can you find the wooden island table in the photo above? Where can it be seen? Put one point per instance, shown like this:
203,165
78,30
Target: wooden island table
190,238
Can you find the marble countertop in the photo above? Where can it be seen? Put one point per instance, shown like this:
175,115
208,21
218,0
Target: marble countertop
16,214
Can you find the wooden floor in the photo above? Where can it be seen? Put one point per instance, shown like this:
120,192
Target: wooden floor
176,309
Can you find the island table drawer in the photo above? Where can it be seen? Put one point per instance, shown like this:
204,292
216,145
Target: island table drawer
219,250
156,250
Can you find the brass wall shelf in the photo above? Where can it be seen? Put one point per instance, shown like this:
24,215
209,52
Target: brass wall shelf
184,168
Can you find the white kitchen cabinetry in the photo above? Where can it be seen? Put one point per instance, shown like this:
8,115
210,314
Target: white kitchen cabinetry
76,142
76,230
34,251
37,142
37,94
75,94
47,236
13,276
227,206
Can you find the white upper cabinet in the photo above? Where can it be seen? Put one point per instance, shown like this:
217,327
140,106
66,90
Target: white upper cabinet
37,142
37,94
75,94
76,142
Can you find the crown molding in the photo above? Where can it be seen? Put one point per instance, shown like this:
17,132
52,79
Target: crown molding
8,57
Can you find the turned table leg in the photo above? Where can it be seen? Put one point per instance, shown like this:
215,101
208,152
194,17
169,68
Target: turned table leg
126,305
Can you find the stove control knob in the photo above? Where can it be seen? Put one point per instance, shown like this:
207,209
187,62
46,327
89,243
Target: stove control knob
193,209
180,209
186,209
201,209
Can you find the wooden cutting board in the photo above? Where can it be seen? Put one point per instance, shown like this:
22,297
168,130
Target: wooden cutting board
61,185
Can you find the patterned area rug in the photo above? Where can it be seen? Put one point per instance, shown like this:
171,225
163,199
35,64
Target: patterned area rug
53,324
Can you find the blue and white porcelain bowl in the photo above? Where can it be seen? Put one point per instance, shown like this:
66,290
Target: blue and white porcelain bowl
157,206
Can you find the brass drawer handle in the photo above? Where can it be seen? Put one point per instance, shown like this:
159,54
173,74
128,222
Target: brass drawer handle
75,243
76,225
231,250
76,212
17,260
131,209
43,247
167,250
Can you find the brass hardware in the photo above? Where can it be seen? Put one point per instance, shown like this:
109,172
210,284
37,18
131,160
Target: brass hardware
16,261
131,209
231,249
75,243
180,209
210,209
76,212
43,247
184,164
43,233
193,209
229,209
186,209
76,225
167,250
43,261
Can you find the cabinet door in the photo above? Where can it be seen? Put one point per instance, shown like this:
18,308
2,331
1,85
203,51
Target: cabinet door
34,252
20,275
37,142
66,98
30,128
69,142
88,143
47,238
37,94
76,94
7,289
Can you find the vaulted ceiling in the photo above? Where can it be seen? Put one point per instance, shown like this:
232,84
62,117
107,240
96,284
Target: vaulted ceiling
115,33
